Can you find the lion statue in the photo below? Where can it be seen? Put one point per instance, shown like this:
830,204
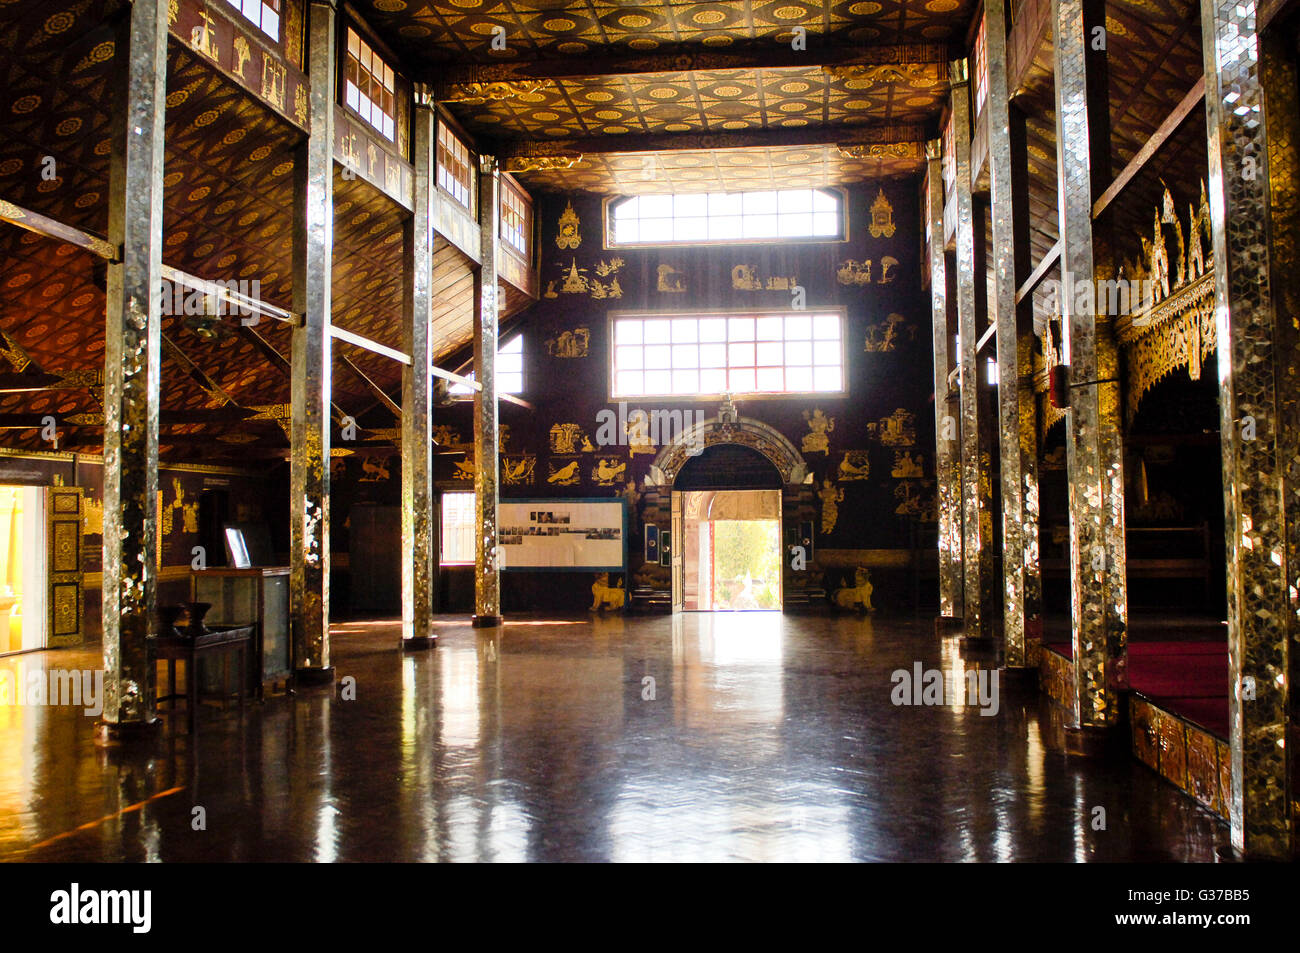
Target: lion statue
859,595
605,595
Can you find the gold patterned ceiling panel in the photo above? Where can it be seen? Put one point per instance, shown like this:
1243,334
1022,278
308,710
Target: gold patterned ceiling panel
462,30
712,101
729,170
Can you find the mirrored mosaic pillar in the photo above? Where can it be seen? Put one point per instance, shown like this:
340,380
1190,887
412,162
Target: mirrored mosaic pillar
1252,152
976,486
487,572
309,463
1018,443
947,452
417,416
132,363
1094,456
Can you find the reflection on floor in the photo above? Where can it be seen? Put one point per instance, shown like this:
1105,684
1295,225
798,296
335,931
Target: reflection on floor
699,737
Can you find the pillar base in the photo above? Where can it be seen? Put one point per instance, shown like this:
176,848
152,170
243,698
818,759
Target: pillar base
116,735
417,643
978,645
1095,742
308,677
485,621
946,625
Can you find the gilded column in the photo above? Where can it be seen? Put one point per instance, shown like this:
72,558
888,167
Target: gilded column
976,488
487,574
1094,457
132,361
1252,152
309,470
1017,455
417,418
947,458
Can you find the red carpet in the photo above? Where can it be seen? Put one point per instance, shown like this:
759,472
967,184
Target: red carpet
1189,679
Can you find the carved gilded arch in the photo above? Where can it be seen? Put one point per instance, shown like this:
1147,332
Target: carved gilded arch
728,427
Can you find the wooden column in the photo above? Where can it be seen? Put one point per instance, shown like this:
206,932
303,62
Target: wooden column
1021,580
487,573
418,527
976,488
132,361
1094,456
947,451
309,466
1251,123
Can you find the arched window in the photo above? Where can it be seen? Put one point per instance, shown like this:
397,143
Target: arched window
711,218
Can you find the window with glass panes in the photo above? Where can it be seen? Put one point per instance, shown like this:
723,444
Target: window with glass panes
510,370
370,87
264,14
516,217
459,527
454,172
720,217
707,355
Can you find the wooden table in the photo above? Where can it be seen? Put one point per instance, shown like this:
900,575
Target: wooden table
215,642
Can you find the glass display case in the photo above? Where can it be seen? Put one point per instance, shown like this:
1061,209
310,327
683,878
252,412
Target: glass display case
259,596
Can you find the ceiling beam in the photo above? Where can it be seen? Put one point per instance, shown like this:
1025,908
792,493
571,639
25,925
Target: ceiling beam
893,140
495,81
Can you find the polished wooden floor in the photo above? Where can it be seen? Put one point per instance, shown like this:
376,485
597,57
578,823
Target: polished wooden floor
761,737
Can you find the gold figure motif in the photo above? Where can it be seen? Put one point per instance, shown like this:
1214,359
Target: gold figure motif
671,281
464,470
631,495
173,11
896,430
606,596
907,465
607,471
273,74
857,596
445,436
638,435
372,472
886,335
913,500
568,235
204,38
566,475
856,465
831,496
242,56
820,426
887,266
574,281
300,104
92,518
882,217
550,290
516,471
569,344
853,272
565,438
189,511
743,278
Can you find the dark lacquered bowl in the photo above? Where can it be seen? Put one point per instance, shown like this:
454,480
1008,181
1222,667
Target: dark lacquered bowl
196,611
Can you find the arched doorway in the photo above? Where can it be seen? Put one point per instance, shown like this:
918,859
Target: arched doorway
736,488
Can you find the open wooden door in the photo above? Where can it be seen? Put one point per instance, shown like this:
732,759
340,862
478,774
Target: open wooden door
677,553
63,532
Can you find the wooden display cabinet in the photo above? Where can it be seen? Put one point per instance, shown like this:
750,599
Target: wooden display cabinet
259,596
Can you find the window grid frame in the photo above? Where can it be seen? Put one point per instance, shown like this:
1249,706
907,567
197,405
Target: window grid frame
467,529
361,78
516,219
515,345
610,242
839,313
274,7
454,155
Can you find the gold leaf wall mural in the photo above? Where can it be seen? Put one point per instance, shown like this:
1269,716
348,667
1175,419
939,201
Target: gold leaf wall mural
566,475
856,465
831,496
819,426
567,235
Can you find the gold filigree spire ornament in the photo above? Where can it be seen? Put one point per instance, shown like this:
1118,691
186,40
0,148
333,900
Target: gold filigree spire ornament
568,236
882,217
